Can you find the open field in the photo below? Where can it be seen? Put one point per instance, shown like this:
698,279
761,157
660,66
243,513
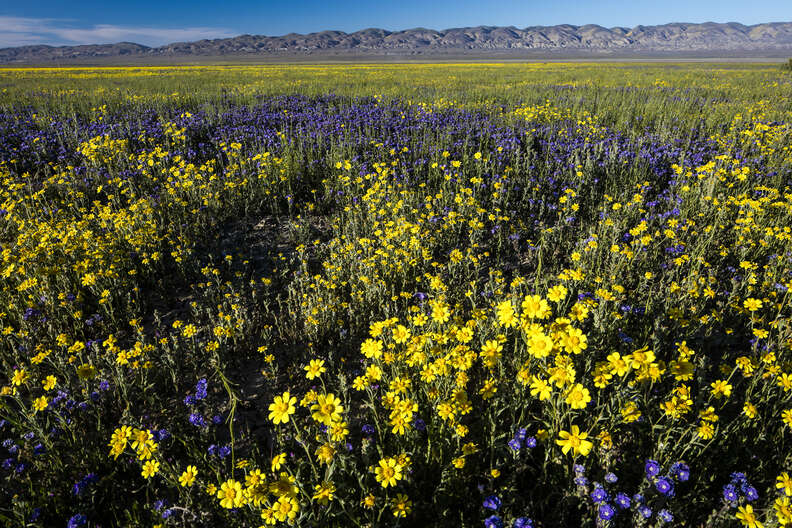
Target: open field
374,58
502,294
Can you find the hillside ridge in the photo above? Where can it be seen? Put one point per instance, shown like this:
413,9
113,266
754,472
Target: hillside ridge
590,38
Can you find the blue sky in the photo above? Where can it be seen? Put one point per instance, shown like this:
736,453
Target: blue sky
159,22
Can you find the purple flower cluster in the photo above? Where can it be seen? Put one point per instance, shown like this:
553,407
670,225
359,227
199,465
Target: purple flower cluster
196,418
77,520
221,451
494,503
81,485
739,487
610,503
521,439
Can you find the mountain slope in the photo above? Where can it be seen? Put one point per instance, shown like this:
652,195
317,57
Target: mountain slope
590,38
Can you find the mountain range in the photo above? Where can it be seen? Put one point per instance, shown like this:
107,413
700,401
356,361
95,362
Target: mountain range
679,39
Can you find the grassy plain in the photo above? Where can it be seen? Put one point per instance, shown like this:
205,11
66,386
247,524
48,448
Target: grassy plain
506,294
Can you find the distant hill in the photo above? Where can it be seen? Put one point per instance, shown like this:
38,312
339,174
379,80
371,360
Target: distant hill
708,39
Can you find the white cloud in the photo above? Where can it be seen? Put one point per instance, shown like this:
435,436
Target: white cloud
21,31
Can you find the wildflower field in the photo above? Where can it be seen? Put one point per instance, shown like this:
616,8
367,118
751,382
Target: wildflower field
502,295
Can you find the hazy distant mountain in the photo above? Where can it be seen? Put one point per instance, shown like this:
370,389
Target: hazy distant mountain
677,38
